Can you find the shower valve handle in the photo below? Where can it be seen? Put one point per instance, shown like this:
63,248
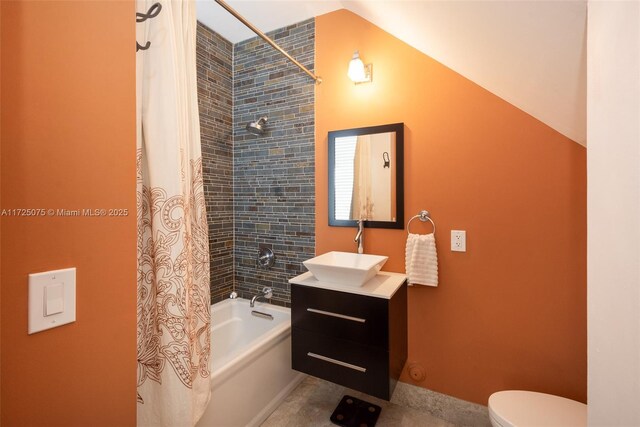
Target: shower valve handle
266,258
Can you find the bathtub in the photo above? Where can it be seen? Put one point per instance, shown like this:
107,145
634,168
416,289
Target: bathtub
251,363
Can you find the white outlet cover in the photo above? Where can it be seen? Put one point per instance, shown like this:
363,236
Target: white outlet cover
458,241
65,310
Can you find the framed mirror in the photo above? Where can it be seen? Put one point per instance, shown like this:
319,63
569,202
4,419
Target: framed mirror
366,176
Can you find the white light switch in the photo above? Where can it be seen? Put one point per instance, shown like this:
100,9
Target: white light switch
52,299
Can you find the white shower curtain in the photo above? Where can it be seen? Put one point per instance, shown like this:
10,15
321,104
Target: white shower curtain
173,254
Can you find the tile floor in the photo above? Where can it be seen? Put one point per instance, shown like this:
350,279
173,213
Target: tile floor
313,401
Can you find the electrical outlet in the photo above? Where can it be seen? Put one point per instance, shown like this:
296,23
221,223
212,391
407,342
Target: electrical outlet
458,240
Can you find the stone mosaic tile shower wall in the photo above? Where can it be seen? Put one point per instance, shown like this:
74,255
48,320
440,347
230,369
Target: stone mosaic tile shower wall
214,68
274,192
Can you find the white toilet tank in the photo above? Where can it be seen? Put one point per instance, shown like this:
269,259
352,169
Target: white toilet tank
516,408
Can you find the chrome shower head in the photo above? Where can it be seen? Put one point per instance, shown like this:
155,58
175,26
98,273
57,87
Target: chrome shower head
257,127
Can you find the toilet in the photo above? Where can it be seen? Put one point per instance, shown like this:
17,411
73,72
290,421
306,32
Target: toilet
517,408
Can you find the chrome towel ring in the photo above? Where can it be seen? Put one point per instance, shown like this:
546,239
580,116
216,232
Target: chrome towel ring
423,216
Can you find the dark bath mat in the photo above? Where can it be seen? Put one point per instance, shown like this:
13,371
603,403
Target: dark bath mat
353,412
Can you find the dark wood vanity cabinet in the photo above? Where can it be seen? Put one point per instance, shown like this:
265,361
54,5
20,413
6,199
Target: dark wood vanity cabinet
357,341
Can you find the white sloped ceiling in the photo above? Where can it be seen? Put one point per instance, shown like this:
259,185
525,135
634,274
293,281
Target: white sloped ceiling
530,53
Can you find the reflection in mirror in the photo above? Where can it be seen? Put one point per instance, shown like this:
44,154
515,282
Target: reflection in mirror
365,176
364,186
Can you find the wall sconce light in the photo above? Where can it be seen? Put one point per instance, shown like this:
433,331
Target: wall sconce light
358,71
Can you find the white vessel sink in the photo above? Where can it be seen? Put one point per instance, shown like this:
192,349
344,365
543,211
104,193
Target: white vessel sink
345,268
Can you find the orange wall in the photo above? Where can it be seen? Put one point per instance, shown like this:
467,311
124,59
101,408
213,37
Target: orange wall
68,141
510,312
0,217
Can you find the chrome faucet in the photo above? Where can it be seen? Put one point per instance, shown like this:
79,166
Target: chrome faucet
360,236
266,293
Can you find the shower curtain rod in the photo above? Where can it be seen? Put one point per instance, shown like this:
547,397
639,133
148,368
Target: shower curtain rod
264,37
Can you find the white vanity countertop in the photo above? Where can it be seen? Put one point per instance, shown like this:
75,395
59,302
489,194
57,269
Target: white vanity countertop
382,285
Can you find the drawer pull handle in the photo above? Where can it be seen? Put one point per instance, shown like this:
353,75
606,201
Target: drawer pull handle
341,316
337,362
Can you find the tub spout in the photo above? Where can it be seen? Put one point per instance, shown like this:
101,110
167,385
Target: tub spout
267,293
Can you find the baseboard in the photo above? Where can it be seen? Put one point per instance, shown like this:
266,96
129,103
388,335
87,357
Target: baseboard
453,410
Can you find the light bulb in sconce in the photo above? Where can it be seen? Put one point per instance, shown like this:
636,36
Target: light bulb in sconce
358,71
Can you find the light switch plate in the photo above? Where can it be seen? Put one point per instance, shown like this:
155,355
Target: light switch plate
48,287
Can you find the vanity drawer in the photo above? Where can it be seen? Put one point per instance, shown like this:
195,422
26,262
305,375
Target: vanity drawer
341,315
347,363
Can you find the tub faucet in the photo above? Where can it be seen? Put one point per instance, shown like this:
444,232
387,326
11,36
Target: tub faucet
360,236
266,293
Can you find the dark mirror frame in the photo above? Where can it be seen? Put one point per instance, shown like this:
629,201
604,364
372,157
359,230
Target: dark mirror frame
398,128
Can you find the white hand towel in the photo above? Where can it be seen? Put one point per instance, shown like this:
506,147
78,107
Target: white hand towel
421,260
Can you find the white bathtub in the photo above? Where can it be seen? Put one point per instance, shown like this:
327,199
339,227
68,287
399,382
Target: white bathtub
251,363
